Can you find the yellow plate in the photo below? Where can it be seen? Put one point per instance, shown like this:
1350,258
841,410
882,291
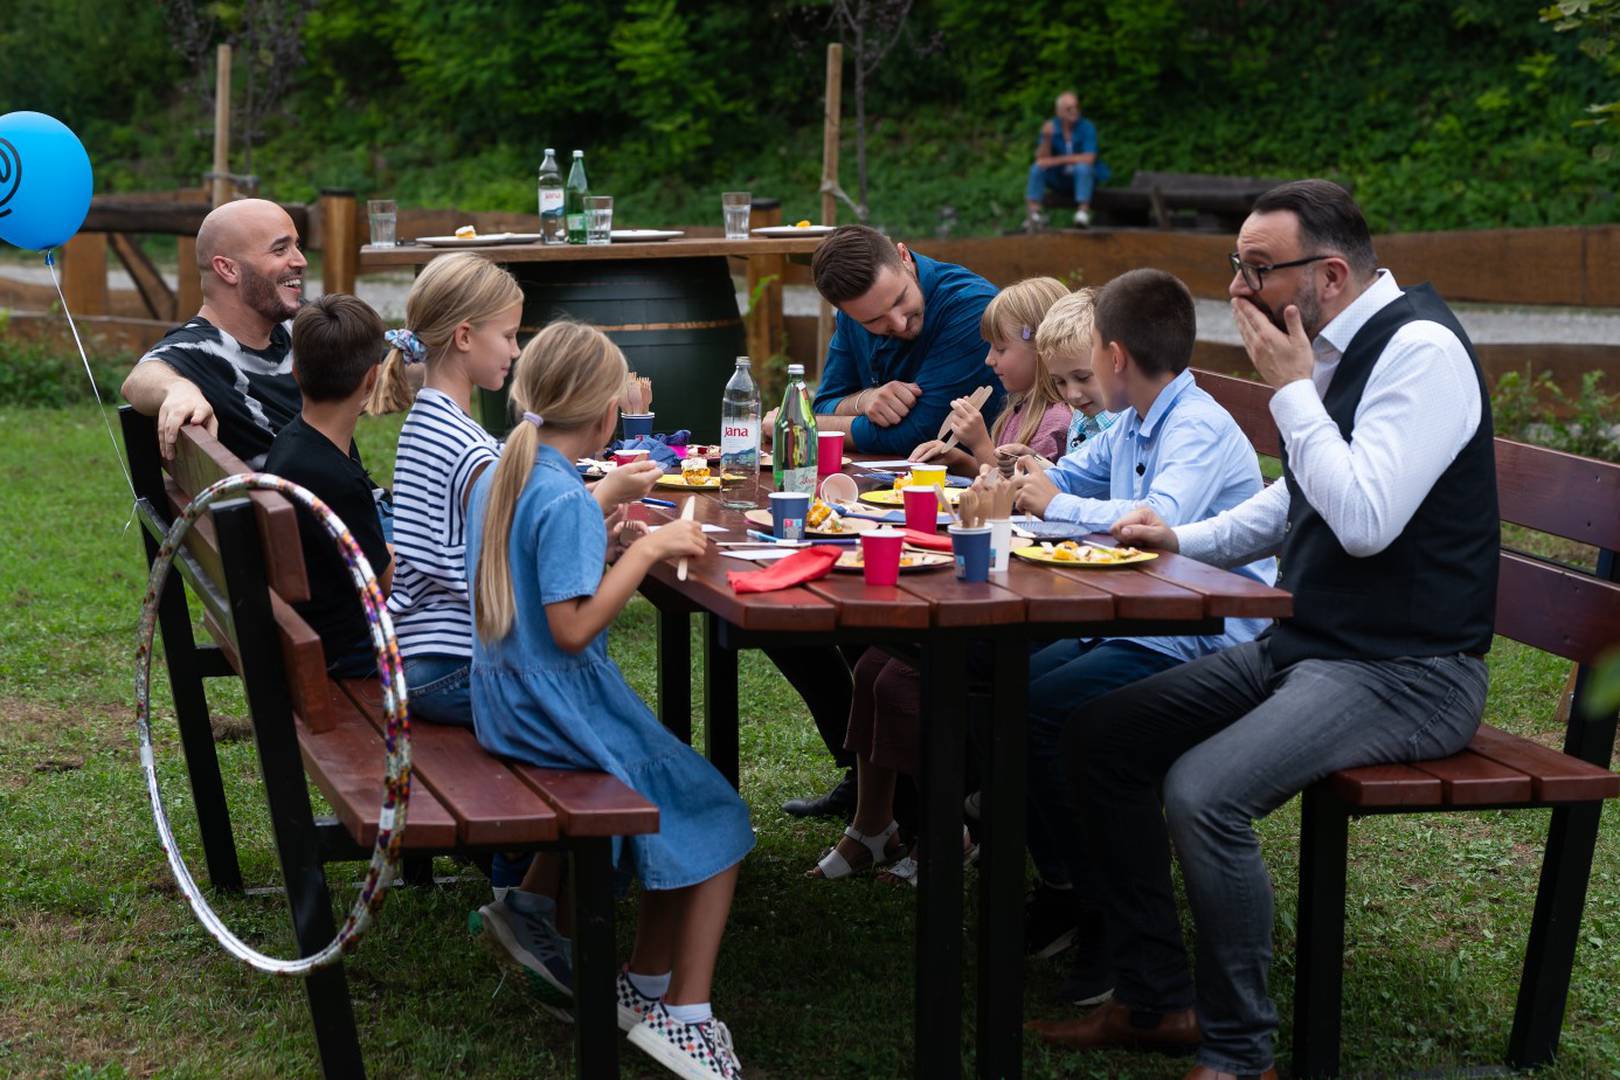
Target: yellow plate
891,497
851,525
1042,553
910,560
676,481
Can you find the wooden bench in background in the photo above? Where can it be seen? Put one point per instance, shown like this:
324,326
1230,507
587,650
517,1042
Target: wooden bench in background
245,565
1173,200
1571,613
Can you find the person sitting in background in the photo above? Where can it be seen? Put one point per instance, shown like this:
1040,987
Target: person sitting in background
1034,418
338,340
1065,160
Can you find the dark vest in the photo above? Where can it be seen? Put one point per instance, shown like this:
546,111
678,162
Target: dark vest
1432,592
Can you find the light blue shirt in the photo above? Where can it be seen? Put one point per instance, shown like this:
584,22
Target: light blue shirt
1186,460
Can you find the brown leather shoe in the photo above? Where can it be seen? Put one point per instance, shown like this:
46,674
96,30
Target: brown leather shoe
1119,1026
1204,1072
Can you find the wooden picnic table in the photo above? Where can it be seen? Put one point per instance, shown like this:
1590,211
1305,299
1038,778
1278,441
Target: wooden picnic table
937,620
670,305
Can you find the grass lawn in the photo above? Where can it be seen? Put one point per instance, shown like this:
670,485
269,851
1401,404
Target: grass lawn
104,973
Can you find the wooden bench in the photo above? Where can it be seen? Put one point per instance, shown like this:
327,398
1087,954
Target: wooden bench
245,565
1571,613
1169,199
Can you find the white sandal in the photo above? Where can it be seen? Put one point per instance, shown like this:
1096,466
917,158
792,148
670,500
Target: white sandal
904,871
834,865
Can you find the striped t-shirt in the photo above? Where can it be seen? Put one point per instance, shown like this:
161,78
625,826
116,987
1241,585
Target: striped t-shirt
440,447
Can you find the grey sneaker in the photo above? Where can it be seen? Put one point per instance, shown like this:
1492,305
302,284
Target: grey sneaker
695,1051
531,941
633,1004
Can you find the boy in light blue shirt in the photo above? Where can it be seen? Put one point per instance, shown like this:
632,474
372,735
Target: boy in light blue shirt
1172,448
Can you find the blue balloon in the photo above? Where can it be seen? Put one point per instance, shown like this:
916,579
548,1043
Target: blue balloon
45,181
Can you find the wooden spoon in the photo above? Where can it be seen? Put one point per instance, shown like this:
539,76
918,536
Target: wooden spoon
686,515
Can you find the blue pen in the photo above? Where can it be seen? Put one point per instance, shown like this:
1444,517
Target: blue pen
757,535
650,501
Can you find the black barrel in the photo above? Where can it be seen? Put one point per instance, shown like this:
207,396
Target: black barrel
676,320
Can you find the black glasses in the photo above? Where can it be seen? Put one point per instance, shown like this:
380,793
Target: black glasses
1255,276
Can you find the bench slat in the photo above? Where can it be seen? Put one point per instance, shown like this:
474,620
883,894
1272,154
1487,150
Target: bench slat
1558,493
1386,785
346,764
591,803
1564,612
301,655
490,804
1554,776
1470,780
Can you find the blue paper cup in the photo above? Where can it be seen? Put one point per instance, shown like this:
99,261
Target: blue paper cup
788,511
972,550
637,424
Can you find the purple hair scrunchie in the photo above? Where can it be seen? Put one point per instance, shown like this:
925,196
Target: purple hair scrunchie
411,349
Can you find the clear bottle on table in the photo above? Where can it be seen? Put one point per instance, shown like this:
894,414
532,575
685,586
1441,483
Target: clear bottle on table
739,435
574,199
793,452
553,228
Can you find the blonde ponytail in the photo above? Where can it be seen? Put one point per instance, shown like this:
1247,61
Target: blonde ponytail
568,373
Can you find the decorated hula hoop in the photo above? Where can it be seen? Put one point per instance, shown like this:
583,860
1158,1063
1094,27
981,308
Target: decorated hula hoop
396,736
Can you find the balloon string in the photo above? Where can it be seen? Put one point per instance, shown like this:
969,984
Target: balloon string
118,453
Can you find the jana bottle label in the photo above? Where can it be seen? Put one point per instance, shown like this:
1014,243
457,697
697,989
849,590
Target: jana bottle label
739,439
551,200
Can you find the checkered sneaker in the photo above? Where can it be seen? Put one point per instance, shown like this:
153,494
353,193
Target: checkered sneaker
633,1004
695,1051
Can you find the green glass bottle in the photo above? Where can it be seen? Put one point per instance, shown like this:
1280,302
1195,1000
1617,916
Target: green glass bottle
574,199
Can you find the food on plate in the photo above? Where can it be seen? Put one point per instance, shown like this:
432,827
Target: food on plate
856,559
1070,551
802,224
466,232
695,469
822,519
702,450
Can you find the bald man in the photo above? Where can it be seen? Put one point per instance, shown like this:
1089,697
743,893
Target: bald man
1066,161
230,367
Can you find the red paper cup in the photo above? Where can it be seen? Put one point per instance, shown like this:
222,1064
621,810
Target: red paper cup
829,453
629,457
880,555
922,508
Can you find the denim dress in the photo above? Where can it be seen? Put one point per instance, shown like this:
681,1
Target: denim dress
536,703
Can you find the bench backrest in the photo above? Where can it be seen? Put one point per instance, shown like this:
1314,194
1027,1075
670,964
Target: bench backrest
1569,611
167,487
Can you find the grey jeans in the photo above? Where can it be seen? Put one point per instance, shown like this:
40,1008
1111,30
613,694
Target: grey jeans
1194,756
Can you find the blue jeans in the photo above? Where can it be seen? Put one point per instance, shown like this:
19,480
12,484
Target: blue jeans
1231,738
1062,677
439,689
1078,180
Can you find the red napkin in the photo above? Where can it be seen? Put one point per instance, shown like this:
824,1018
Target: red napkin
932,541
807,565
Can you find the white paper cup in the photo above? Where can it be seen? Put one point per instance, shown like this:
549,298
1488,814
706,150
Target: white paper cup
1000,543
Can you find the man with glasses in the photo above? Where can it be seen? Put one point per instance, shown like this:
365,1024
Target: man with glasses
1386,525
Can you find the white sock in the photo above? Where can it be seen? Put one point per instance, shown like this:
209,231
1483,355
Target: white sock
689,1014
650,986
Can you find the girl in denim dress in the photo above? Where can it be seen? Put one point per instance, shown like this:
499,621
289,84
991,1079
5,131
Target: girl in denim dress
544,690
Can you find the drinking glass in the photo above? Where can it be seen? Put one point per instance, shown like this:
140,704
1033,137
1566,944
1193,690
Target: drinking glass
598,219
736,204
383,213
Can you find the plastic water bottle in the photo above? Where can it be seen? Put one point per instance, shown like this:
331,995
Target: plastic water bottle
574,199
793,454
553,228
739,434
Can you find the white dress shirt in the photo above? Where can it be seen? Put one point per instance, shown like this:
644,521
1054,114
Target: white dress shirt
1420,407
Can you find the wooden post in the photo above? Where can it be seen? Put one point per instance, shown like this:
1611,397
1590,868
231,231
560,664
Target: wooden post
84,273
765,313
222,125
188,297
340,240
829,175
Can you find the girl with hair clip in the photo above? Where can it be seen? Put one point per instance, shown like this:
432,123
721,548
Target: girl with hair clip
545,692
1034,417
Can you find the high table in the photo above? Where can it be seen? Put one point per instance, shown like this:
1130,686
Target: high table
669,305
941,618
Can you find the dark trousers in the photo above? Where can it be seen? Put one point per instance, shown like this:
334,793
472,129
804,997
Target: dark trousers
822,678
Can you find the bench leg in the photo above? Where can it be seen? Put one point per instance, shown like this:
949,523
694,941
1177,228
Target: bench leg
937,1021
417,870
1554,929
675,672
1001,871
1319,949
596,1014
720,701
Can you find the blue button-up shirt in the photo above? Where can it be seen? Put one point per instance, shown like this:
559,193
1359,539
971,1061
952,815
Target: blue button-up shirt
946,359
1186,460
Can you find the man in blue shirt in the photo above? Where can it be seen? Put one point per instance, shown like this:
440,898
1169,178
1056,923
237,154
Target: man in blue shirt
1175,449
906,342
1065,160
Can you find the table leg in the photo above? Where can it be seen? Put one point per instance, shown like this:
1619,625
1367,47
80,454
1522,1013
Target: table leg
1001,867
719,700
675,672
937,1021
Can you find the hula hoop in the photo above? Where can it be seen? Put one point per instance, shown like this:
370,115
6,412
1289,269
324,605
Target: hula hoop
396,737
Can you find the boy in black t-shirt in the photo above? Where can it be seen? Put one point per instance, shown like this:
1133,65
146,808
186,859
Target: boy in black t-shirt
337,345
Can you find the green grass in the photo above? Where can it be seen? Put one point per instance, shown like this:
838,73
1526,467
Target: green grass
104,972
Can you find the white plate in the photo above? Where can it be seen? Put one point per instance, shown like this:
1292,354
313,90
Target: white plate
792,230
643,236
481,240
